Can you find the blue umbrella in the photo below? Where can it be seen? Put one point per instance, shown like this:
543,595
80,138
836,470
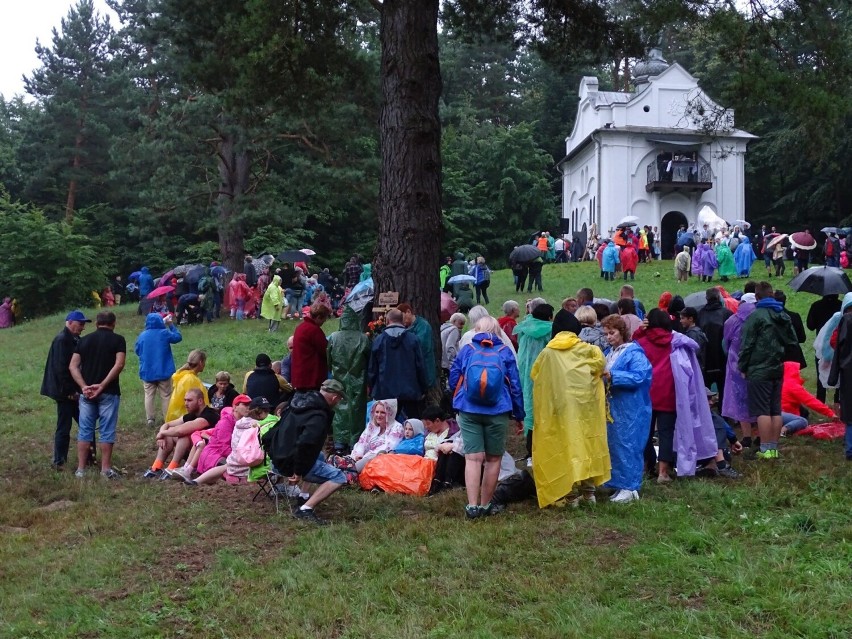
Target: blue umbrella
461,279
686,240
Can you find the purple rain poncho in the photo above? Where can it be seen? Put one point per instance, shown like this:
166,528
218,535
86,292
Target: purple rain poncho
735,400
695,435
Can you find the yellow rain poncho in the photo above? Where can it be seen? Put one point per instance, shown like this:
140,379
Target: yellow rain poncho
182,381
569,436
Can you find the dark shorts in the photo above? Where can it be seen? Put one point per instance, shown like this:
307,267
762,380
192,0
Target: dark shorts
764,397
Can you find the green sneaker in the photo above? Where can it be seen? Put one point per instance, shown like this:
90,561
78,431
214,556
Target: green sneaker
768,454
472,512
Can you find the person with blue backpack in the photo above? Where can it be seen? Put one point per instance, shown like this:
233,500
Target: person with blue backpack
487,394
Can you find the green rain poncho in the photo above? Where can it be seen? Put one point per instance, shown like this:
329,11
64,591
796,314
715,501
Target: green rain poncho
273,301
348,355
727,266
533,335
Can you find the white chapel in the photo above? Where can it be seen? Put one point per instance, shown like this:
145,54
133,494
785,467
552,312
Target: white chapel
660,153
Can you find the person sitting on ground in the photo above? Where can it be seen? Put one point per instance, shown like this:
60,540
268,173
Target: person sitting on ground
174,435
263,382
185,379
295,446
590,331
249,415
794,396
443,444
215,452
727,442
222,393
381,435
413,438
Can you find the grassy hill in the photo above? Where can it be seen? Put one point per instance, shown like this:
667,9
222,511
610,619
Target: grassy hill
767,556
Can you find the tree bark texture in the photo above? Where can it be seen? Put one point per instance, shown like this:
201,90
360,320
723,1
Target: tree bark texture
411,226
234,168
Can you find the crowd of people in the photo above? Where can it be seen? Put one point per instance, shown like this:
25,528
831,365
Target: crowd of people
606,393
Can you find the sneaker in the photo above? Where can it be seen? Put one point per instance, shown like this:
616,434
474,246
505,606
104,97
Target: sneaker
110,473
664,479
309,516
472,512
729,473
296,502
489,509
166,474
767,454
182,474
150,423
625,496
79,473
152,474
708,472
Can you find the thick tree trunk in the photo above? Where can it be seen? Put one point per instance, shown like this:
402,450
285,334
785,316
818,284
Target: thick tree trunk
411,226
234,166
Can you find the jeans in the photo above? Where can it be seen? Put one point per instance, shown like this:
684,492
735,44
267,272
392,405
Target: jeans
66,411
294,302
793,423
104,409
322,472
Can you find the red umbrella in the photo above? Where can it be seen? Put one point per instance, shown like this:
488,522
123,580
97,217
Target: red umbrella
160,290
803,240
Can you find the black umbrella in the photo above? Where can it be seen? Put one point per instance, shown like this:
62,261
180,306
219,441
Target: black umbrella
194,275
293,256
822,280
524,253
696,300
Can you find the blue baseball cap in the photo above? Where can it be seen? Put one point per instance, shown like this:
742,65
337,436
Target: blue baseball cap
76,316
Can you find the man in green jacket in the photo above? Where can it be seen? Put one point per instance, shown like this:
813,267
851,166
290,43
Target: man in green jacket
766,333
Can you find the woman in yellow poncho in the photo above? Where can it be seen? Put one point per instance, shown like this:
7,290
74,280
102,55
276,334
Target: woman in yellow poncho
570,452
273,304
186,377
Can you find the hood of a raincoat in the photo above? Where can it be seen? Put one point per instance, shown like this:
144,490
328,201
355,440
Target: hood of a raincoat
793,371
744,310
744,240
417,425
682,341
563,341
394,334
350,321
534,328
154,321
391,407
144,269
488,336
276,280
660,336
459,255
847,301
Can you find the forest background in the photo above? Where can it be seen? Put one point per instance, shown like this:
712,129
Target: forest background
203,130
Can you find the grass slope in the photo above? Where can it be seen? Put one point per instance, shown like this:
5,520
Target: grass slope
768,556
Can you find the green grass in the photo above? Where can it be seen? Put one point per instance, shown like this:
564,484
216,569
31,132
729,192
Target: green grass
768,556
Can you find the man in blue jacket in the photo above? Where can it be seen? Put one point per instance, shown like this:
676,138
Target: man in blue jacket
146,282
397,367
484,419
156,363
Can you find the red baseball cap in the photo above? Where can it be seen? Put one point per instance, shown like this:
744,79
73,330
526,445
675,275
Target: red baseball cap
241,399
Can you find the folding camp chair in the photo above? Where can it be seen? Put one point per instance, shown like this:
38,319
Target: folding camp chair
268,486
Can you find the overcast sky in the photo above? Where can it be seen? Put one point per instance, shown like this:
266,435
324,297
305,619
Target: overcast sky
21,24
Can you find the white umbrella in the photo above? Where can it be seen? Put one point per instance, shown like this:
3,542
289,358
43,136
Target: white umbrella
629,219
743,224
308,251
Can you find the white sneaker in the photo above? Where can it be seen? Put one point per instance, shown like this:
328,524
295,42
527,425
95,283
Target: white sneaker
529,462
624,496
183,474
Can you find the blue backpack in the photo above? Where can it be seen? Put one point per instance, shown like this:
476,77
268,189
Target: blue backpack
484,375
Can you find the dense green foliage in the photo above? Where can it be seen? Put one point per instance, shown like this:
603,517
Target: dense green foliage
202,130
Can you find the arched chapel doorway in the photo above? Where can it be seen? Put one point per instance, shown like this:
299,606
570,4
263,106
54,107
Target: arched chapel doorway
669,225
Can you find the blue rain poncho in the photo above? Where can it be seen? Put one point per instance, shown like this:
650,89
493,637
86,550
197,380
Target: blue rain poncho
744,257
533,335
629,395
